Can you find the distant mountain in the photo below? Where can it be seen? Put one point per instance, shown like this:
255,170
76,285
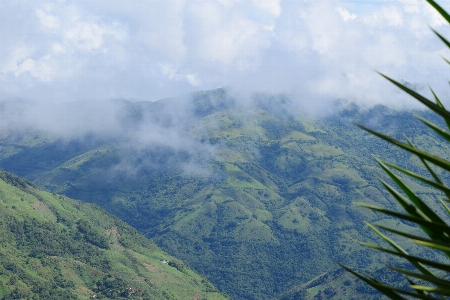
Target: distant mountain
255,195
52,247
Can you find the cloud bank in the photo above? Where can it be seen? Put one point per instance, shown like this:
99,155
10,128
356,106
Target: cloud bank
63,51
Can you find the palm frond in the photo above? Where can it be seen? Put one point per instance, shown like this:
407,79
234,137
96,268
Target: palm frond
436,231
435,128
438,161
427,166
440,10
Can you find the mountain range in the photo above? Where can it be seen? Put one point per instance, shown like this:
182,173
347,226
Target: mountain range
255,195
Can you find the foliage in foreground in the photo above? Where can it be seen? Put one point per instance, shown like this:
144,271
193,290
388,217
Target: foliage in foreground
428,279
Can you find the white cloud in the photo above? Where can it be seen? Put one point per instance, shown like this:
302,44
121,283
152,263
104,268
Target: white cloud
15,58
41,69
388,16
345,14
62,43
224,36
47,20
172,74
229,3
193,79
144,50
271,6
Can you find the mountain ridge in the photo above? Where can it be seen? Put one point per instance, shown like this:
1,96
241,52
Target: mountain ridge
257,197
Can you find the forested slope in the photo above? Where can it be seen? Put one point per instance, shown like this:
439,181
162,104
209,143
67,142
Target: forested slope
52,247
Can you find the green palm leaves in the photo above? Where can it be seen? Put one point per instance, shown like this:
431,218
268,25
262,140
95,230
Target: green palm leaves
428,279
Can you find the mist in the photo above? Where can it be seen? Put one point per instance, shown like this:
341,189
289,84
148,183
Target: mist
83,70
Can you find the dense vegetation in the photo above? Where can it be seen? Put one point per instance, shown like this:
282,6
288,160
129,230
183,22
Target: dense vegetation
259,200
52,247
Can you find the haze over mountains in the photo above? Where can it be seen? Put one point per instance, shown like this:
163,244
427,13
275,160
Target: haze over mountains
248,178
258,198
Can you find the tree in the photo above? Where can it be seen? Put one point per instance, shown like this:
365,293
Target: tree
427,278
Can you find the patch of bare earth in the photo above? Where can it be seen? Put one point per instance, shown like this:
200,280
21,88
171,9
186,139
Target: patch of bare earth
114,236
85,289
197,296
44,210
151,267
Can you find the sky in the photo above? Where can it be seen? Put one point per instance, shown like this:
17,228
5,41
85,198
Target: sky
313,50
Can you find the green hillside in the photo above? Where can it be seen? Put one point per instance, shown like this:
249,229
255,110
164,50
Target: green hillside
257,198
52,247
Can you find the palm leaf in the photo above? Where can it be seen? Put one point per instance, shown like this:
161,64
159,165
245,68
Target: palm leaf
384,289
440,10
446,60
438,185
417,211
435,128
443,39
399,249
432,279
434,245
419,204
438,101
431,289
431,105
416,259
445,164
414,238
435,227
427,166
419,291
447,209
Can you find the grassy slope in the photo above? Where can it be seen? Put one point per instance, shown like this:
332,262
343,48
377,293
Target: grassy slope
53,247
276,208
